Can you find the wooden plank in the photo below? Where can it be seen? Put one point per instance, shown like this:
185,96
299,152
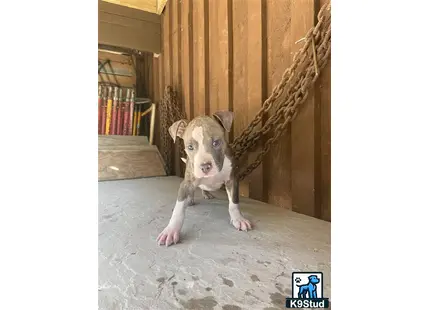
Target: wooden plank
129,12
176,74
161,5
240,74
175,38
118,68
224,60
144,39
121,141
129,22
166,47
303,127
145,5
143,65
156,99
277,164
128,164
187,56
214,54
167,62
156,94
115,58
324,88
255,89
128,28
124,81
199,67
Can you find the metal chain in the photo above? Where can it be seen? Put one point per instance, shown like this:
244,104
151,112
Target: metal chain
170,113
285,100
294,86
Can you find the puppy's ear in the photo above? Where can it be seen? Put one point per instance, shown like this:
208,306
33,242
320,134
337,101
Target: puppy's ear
178,129
225,118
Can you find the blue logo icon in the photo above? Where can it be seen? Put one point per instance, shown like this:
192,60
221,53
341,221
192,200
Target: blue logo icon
307,290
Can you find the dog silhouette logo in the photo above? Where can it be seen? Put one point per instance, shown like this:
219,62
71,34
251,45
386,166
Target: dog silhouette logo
307,288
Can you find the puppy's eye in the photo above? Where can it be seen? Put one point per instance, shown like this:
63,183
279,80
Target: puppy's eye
190,147
216,143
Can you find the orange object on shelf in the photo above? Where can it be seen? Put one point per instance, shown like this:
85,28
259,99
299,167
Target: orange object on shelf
139,117
109,111
134,122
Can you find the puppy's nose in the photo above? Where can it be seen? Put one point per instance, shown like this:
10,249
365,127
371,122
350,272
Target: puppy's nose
206,167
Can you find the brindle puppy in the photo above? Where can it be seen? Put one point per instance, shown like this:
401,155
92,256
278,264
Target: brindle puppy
209,165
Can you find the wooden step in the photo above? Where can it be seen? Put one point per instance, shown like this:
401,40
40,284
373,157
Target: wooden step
128,157
119,141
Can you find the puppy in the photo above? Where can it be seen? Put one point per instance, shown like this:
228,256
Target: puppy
209,165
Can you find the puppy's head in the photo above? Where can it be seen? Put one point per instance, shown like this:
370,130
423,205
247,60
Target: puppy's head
204,140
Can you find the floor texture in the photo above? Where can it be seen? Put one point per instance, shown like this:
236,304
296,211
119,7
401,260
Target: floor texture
214,266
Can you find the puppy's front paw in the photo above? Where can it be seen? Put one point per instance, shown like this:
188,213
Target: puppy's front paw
240,223
169,235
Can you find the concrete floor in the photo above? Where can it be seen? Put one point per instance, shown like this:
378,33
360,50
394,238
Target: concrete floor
214,266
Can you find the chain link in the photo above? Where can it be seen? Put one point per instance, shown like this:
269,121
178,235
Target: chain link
285,99
170,112
289,94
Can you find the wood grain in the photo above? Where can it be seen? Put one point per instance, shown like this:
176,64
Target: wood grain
230,54
126,27
121,59
121,141
324,88
240,75
254,97
303,127
175,56
277,164
186,46
129,164
145,5
199,68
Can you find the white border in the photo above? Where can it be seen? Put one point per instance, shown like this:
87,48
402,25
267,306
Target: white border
380,153
48,226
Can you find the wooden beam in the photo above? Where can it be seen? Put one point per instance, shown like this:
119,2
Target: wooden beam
160,6
145,5
129,28
303,128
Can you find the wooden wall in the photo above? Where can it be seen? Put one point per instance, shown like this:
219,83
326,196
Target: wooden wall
230,54
126,27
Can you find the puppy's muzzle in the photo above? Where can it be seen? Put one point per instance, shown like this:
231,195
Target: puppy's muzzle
206,167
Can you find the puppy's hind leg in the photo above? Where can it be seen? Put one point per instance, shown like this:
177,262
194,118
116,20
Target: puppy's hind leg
191,201
207,194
